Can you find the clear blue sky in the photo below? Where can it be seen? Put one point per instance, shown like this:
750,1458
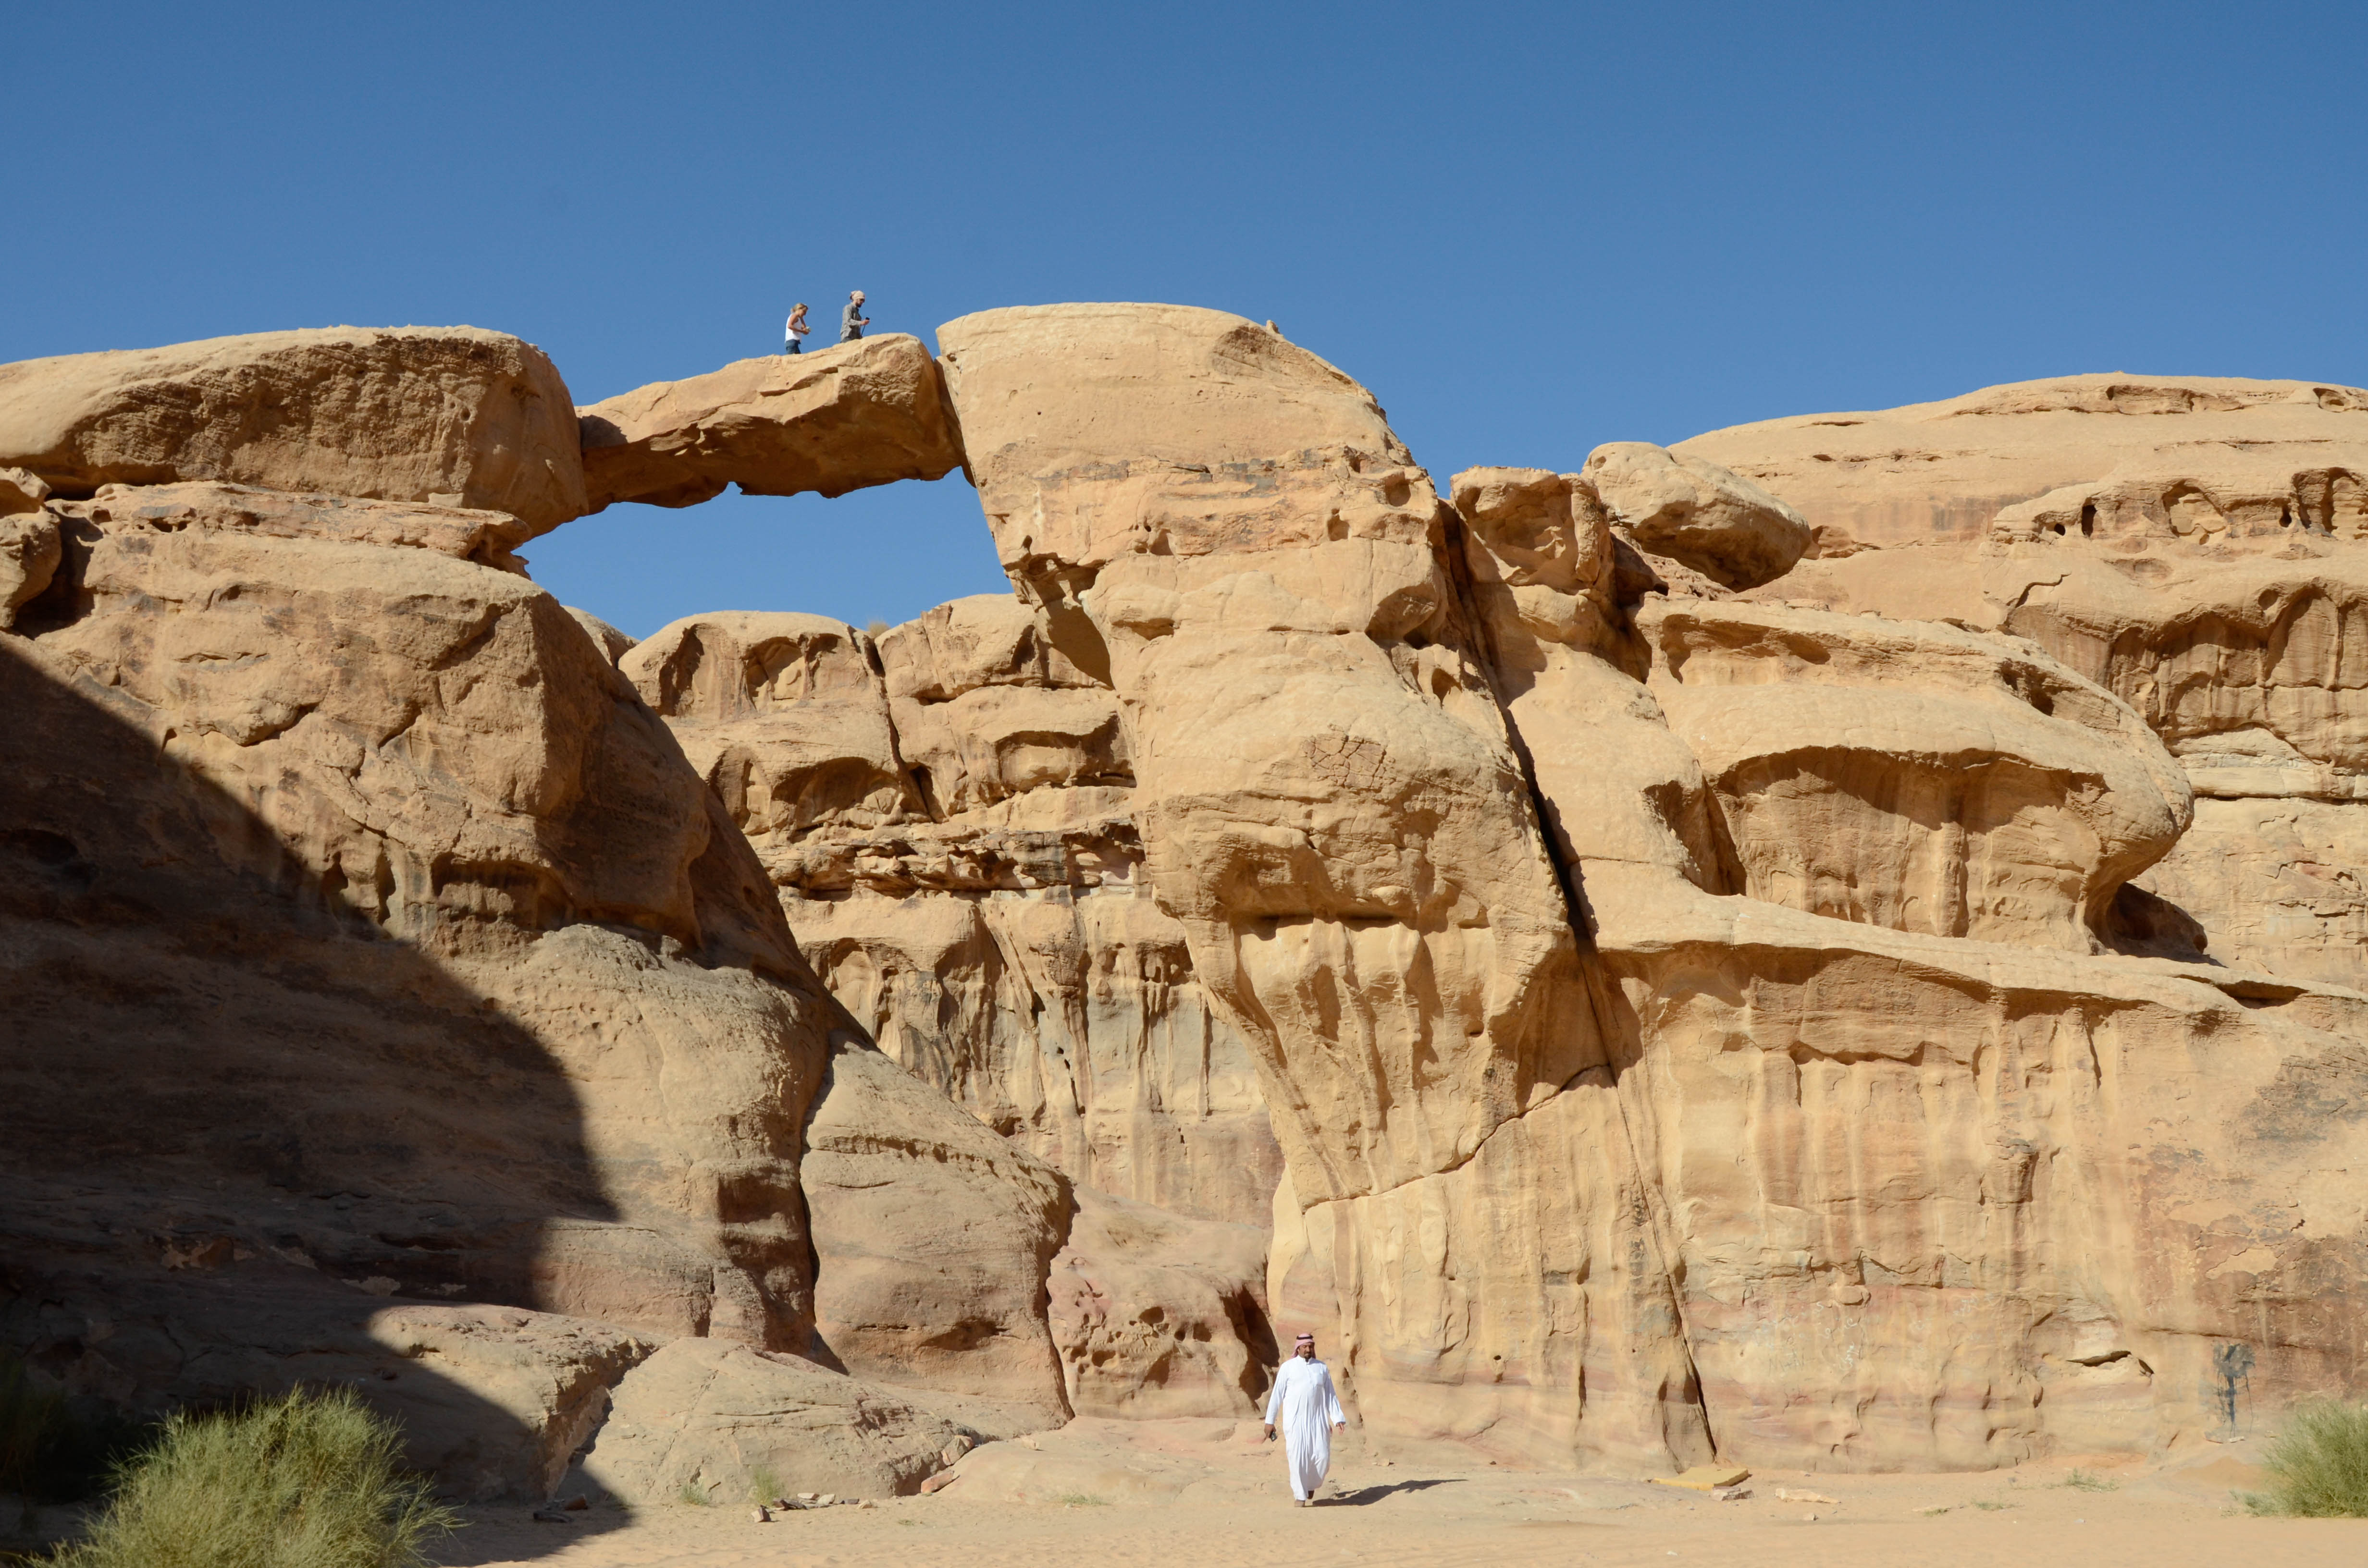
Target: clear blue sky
1528,228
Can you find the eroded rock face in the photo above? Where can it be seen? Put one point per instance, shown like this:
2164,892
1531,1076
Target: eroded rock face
1822,1100
948,818
1914,776
1943,469
1157,1315
782,715
452,985
465,534
2194,548
455,417
1681,1018
839,419
1262,566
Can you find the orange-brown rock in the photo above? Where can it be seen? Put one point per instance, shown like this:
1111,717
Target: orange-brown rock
1845,1122
31,548
1913,775
21,491
455,417
856,414
1004,950
2198,560
783,714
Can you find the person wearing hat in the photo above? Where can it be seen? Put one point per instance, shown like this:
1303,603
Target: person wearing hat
1308,1410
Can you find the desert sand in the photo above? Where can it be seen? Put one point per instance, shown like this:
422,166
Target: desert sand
1183,1493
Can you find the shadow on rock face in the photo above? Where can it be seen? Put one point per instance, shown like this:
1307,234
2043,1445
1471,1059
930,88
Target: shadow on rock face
251,1141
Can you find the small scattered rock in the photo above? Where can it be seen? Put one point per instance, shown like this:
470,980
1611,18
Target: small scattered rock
1705,1477
578,1503
550,1516
940,1482
1729,1494
1794,1495
760,1515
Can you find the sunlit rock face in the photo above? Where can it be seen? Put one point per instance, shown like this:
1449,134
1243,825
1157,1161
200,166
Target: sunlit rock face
454,417
947,815
1649,965
1331,806
856,414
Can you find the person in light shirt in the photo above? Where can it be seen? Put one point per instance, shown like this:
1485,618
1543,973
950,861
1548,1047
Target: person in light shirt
794,332
1307,1408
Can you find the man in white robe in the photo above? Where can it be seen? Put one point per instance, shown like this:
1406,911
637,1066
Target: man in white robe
1306,1407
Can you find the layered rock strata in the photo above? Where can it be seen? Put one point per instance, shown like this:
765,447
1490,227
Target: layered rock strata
1682,1019
2193,546
453,416
1943,469
1944,1188
947,815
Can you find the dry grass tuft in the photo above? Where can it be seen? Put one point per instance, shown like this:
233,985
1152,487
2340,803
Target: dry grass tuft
309,1481
2318,1465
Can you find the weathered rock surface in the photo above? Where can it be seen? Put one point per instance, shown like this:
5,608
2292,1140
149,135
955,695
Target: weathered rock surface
550,1376
839,419
1943,469
2202,561
932,1237
1914,776
951,831
728,1424
1690,509
30,551
1920,1187
1330,807
414,958
1157,1315
485,538
1656,1015
782,715
452,416
605,637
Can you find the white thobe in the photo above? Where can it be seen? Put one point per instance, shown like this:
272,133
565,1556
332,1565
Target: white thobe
1305,1407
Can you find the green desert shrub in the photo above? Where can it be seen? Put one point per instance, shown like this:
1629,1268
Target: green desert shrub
2318,1465
314,1480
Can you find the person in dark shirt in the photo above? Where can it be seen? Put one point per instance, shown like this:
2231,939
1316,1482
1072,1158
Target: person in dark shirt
852,322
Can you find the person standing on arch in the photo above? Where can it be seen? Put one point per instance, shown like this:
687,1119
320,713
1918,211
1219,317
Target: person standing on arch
1308,1409
852,320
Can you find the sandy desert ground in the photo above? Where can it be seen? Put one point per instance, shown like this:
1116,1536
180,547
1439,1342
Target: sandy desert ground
1182,1494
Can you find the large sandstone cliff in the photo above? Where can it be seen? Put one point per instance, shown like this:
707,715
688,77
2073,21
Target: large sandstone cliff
1644,971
